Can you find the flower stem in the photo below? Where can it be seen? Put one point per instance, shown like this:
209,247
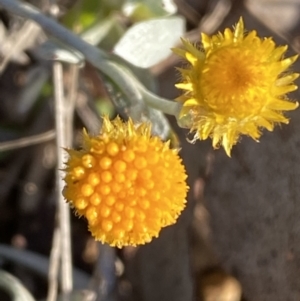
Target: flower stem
162,104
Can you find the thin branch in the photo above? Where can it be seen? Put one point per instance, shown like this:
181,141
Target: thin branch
71,98
27,141
17,42
54,265
190,13
63,208
216,16
57,248
88,116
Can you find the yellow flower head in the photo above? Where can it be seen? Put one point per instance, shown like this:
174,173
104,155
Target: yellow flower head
235,85
127,184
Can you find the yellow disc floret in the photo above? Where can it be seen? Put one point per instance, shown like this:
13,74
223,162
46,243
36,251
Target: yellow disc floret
235,85
127,184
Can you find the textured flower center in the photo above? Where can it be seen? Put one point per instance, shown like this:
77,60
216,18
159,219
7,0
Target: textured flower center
235,85
127,184
230,85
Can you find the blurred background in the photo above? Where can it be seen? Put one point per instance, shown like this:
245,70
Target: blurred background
238,238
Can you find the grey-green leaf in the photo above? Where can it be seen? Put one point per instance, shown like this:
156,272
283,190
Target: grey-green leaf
147,43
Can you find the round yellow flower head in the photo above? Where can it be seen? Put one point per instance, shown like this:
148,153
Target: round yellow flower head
235,85
127,184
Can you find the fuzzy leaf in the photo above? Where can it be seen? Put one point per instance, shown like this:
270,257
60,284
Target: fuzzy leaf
148,43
